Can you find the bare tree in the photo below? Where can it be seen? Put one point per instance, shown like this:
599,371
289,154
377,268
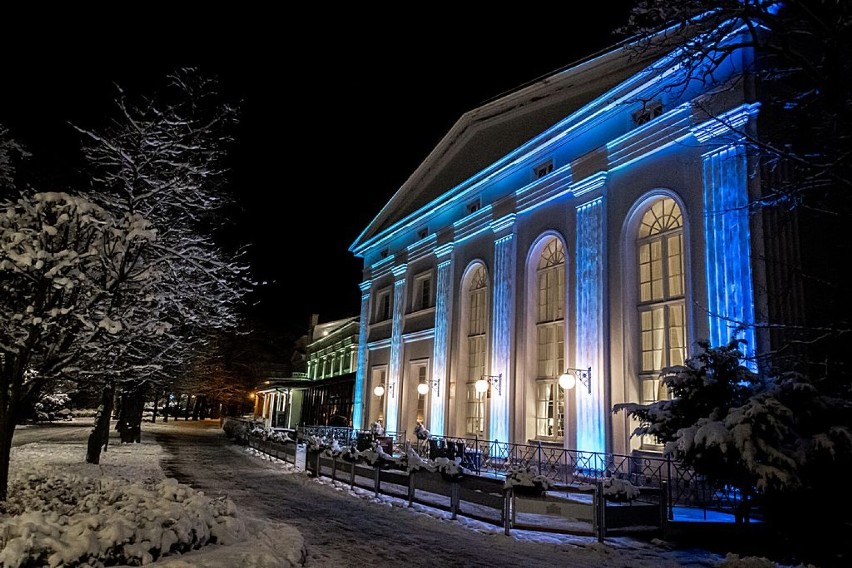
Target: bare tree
162,158
119,285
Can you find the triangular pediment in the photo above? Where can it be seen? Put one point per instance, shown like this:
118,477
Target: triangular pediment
484,135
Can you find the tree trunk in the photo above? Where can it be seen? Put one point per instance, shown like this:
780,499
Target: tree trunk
156,402
186,409
100,433
129,423
198,408
7,430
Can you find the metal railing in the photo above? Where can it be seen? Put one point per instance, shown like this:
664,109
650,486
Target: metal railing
683,487
346,436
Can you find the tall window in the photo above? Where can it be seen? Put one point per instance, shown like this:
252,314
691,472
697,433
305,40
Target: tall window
550,329
378,378
383,305
477,320
422,292
662,313
418,370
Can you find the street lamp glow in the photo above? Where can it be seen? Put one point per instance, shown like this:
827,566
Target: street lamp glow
567,381
423,388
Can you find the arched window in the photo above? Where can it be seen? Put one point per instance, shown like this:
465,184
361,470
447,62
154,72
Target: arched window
477,320
550,345
662,312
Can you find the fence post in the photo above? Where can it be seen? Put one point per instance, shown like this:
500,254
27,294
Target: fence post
454,499
477,452
376,479
539,457
669,487
411,487
600,509
507,510
664,507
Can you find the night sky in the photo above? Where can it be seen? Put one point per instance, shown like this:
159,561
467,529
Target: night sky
335,115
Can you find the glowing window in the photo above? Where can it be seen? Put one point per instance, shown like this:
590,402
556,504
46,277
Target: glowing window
549,410
662,311
550,344
477,296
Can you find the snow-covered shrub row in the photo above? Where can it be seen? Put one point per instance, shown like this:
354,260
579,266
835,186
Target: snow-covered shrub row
270,434
61,520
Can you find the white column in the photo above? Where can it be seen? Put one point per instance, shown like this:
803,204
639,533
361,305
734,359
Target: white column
502,328
395,360
727,235
589,334
441,345
361,372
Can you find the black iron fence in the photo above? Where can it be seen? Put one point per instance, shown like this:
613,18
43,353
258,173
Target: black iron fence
683,487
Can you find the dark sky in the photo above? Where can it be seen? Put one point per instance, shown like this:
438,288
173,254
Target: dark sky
335,115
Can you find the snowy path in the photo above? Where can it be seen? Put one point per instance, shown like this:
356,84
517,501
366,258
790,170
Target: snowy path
340,529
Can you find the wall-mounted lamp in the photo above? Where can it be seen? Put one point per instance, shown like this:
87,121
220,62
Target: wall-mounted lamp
423,388
380,390
569,378
484,381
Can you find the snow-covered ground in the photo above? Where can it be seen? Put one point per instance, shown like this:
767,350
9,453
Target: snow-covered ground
64,512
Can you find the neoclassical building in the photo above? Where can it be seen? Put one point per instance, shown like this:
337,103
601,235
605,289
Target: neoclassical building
322,393
591,222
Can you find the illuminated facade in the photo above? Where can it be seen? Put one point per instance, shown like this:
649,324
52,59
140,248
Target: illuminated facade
592,219
324,394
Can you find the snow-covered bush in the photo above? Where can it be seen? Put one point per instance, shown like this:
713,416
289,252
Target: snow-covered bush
334,449
375,455
52,406
413,462
617,489
268,434
317,444
237,430
71,520
351,454
524,476
278,436
449,469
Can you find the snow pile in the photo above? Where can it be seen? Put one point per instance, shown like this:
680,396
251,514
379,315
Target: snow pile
64,519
